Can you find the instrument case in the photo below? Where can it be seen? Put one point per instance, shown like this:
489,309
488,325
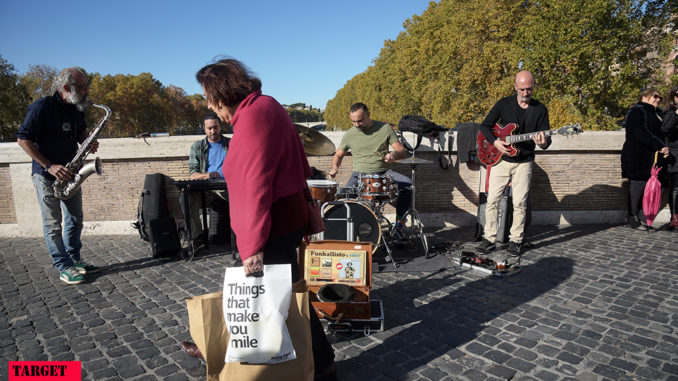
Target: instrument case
319,269
374,324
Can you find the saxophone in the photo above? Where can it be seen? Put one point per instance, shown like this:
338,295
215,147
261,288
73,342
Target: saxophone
63,190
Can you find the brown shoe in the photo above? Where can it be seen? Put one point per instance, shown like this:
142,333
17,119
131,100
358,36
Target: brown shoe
674,221
191,349
327,374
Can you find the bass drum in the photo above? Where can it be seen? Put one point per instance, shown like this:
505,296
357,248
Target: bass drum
365,223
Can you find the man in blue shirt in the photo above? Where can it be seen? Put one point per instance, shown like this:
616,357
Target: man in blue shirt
204,162
50,133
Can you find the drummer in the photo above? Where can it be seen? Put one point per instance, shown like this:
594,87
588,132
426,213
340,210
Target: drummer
369,140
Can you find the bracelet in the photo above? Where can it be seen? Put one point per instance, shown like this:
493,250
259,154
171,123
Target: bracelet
47,167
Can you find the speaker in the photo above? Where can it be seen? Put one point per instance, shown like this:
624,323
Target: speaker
504,216
164,237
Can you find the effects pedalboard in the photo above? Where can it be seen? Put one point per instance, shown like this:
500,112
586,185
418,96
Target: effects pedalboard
502,268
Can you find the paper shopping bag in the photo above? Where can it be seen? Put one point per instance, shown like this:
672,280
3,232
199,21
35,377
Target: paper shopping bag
208,330
206,323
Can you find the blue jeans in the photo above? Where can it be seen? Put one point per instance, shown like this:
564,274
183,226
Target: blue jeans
65,248
404,189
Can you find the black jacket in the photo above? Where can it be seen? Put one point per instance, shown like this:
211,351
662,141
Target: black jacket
643,138
670,130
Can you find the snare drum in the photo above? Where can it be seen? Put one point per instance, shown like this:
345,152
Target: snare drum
347,193
322,190
377,187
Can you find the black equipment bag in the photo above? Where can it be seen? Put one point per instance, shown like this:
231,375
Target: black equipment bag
153,220
164,237
152,204
425,128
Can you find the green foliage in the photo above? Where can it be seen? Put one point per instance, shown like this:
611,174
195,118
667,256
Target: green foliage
300,114
39,81
140,103
13,101
458,57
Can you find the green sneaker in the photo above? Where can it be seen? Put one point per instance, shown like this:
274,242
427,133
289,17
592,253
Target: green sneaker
84,267
71,276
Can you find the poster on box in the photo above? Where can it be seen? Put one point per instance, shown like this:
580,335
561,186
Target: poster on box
335,266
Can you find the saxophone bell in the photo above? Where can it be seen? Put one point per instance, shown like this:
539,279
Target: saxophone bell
73,184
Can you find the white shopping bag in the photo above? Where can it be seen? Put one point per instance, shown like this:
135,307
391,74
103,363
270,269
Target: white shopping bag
255,311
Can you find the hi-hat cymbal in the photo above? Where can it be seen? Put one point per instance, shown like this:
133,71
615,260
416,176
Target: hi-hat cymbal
413,160
315,143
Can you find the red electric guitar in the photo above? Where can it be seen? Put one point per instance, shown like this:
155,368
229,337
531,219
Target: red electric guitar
490,155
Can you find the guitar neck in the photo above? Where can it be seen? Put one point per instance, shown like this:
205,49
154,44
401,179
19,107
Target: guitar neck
523,137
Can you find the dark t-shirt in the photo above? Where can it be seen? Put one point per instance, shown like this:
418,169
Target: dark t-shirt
54,127
507,110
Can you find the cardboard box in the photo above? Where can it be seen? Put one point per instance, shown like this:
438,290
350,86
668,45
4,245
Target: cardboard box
345,262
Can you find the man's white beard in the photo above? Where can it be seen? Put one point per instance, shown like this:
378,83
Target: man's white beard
74,98
525,99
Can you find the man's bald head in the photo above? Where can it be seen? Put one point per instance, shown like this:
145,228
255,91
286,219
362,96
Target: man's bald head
524,85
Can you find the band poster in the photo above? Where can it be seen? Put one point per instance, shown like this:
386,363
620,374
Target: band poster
335,266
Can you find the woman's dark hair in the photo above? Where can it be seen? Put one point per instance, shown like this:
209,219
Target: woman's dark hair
646,92
227,81
671,100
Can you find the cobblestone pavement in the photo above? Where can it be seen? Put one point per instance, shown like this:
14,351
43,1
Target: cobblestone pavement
591,302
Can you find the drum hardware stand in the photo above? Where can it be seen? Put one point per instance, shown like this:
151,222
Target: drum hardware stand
378,208
416,227
350,223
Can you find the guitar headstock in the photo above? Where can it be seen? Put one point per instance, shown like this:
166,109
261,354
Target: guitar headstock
570,129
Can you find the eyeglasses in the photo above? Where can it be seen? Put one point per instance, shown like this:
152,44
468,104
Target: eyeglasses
657,96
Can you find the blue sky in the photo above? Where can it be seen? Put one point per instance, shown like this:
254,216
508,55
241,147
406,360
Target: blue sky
303,51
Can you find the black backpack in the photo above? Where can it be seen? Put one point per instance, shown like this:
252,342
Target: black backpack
424,128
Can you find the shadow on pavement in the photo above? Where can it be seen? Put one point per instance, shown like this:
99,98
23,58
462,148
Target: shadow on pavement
422,334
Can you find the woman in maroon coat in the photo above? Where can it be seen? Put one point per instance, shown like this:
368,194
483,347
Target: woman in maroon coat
266,171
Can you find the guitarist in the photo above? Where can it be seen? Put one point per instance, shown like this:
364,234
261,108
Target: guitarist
530,116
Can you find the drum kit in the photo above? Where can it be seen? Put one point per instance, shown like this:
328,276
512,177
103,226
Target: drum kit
356,213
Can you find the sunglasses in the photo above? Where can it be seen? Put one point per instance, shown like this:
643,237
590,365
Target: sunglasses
657,96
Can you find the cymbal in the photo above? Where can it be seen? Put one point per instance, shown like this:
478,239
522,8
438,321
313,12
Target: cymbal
413,160
315,143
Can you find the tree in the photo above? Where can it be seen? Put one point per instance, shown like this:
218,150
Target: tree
39,81
592,56
138,104
13,101
458,57
187,111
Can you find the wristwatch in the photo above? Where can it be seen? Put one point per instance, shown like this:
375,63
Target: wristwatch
47,167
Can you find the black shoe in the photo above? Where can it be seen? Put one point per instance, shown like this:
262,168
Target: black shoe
633,223
514,249
218,240
486,246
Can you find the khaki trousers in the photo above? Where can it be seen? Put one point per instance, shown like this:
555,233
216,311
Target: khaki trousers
520,175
